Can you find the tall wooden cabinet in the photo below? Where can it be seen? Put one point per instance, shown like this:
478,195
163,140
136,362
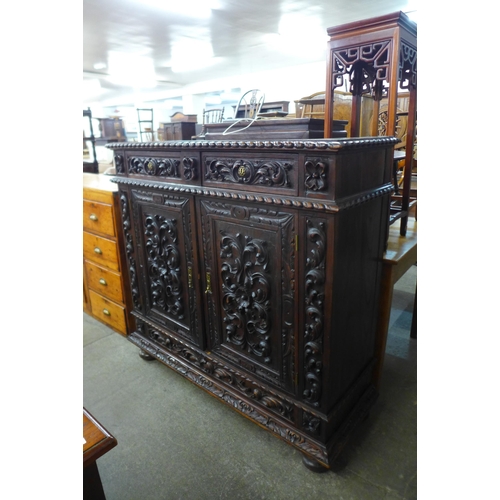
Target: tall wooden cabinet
255,273
106,296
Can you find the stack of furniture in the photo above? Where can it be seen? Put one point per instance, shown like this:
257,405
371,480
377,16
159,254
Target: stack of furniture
378,56
106,294
255,273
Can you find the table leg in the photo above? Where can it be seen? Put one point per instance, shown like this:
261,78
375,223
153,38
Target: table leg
92,485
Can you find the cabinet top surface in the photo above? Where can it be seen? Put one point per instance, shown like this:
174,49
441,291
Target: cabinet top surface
333,145
98,181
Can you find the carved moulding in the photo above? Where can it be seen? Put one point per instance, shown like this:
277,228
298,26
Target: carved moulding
227,384
321,205
320,144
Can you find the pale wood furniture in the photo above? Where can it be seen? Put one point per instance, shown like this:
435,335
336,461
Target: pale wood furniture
106,296
97,442
400,255
255,273
377,56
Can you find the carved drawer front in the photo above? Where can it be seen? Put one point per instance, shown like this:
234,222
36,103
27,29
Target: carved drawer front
169,275
270,173
108,311
104,281
98,217
100,250
249,281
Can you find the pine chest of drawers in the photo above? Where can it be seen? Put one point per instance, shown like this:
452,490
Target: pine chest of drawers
255,273
105,295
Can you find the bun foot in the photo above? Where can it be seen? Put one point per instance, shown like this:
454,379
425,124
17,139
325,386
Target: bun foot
313,465
145,356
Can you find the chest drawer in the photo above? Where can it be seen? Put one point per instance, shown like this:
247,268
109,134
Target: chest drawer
104,281
108,312
100,250
98,217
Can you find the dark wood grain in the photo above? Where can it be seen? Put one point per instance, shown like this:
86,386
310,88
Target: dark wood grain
258,278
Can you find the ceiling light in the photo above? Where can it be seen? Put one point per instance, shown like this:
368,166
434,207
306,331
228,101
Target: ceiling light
100,65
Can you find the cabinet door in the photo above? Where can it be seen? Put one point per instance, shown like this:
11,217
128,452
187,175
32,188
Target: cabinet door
249,280
168,275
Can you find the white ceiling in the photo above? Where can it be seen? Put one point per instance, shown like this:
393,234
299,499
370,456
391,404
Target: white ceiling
170,45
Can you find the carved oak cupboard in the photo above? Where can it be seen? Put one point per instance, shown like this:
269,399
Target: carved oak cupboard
255,271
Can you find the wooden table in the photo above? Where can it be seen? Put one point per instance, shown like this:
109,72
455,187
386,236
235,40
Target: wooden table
98,441
400,255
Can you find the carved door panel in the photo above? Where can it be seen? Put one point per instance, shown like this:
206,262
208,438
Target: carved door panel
168,270
249,279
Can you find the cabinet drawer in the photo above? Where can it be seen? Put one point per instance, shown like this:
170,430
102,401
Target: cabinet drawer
104,281
98,217
100,250
107,311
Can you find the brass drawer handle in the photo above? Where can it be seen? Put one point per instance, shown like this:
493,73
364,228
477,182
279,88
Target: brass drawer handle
98,250
106,312
93,217
102,281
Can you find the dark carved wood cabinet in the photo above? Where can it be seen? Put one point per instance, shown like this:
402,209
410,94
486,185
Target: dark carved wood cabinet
255,271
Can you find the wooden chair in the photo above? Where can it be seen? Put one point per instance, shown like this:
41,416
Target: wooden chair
215,115
311,106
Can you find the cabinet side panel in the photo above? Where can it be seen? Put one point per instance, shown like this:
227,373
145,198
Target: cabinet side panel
359,243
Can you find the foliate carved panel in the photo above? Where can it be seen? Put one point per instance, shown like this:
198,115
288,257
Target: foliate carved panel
246,293
253,304
272,173
316,174
129,250
314,310
164,239
163,264
161,167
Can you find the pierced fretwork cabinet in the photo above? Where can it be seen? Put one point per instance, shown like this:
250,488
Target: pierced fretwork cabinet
378,58
255,271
